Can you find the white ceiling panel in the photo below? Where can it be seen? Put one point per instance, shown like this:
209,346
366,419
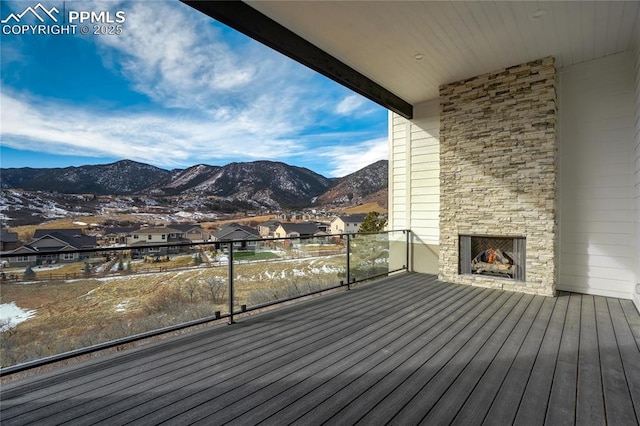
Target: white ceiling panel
457,40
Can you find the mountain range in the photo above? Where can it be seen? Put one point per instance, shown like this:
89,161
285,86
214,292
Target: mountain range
249,185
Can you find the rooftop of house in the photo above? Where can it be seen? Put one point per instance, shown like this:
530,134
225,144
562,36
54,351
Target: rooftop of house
271,223
8,237
352,218
71,236
157,230
185,227
235,231
302,228
121,229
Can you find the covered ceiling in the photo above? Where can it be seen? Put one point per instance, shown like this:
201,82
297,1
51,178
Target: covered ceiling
411,48
456,40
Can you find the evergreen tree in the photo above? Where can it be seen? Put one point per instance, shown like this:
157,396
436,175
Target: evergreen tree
373,223
29,274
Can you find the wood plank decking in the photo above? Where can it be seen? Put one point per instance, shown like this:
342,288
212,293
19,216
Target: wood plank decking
404,350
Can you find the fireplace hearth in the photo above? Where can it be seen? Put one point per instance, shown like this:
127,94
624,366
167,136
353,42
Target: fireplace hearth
491,256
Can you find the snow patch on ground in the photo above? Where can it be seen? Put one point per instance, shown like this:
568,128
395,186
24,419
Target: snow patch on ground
46,267
122,306
11,315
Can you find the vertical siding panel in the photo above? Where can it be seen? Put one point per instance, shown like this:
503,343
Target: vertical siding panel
424,177
414,183
409,138
596,176
398,172
636,293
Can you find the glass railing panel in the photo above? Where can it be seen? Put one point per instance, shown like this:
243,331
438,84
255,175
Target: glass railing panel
288,268
60,306
60,303
369,256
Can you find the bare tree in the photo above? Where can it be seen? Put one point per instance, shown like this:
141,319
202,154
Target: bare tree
216,287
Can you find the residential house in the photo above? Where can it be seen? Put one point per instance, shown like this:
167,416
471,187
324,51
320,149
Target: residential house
192,232
156,240
302,229
289,216
8,240
267,229
511,123
243,237
347,224
119,235
58,242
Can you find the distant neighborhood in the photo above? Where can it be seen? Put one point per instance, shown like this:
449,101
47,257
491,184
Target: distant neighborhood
55,246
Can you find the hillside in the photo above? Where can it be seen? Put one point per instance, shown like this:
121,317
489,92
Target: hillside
262,183
200,192
119,178
368,185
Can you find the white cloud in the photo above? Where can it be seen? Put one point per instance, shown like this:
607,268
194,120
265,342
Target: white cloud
180,59
350,104
349,159
177,141
147,137
175,60
183,61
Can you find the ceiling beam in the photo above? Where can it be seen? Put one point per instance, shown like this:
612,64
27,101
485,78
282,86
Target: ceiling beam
247,20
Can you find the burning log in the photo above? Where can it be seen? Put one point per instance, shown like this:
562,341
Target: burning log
493,261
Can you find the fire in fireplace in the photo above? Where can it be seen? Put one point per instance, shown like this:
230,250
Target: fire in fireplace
493,261
502,257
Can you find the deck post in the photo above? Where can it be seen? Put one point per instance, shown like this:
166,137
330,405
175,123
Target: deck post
407,248
231,283
348,260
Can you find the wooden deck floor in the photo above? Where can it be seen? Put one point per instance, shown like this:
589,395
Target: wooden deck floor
405,350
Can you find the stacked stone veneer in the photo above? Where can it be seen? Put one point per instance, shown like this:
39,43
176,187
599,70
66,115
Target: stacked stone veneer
498,169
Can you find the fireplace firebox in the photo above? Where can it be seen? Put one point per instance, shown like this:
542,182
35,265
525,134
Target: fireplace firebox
493,256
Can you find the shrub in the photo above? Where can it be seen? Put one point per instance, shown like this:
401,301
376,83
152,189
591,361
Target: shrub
29,274
216,289
166,299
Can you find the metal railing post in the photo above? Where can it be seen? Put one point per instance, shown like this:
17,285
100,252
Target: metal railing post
230,257
407,248
348,261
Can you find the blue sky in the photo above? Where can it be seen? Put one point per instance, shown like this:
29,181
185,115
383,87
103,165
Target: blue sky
174,89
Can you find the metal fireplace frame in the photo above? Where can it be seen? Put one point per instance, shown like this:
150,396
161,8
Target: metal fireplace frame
471,245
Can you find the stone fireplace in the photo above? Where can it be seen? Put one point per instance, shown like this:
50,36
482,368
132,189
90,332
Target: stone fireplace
498,179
